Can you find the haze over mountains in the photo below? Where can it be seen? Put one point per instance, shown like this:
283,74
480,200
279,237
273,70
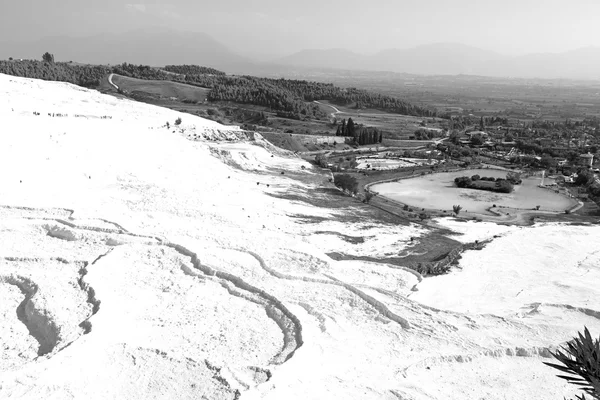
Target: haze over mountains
454,59
155,47
162,46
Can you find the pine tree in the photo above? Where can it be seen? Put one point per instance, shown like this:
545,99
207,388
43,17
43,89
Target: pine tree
47,57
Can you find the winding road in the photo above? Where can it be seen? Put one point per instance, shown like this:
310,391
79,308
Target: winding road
329,105
111,81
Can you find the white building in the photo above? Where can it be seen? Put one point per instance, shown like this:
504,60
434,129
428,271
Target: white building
586,160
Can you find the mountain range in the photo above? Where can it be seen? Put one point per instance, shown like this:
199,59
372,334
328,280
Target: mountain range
455,59
162,46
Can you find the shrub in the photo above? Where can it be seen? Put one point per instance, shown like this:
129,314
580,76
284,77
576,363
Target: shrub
504,186
584,177
346,182
475,177
581,358
369,196
514,178
456,209
178,121
463,181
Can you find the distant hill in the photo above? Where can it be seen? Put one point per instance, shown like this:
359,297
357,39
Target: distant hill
433,59
164,46
156,47
455,59
331,58
583,63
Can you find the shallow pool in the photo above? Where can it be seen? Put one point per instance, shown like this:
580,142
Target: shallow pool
438,192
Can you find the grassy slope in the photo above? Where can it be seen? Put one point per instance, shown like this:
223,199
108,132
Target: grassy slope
395,126
162,88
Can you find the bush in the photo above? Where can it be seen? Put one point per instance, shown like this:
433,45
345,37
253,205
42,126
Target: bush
584,177
514,178
463,181
369,196
475,177
581,358
346,182
504,186
456,209
178,121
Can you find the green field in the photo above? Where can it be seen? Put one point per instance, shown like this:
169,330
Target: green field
394,126
161,89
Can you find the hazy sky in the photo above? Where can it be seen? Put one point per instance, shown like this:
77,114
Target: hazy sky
282,27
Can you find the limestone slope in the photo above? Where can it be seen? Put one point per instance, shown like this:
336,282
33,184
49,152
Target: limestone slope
144,261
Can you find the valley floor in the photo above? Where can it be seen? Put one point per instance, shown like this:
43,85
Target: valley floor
143,262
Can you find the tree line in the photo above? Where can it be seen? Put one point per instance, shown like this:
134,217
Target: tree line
81,75
192,70
358,134
292,98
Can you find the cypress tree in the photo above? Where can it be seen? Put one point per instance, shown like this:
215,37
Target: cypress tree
351,129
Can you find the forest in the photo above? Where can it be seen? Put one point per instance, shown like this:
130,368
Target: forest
289,98
192,70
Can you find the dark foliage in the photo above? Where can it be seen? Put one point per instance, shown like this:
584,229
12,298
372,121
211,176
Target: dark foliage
141,72
47,57
346,182
263,92
82,75
584,177
580,359
463,181
369,196
426,134
358,134
501,185
192,70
